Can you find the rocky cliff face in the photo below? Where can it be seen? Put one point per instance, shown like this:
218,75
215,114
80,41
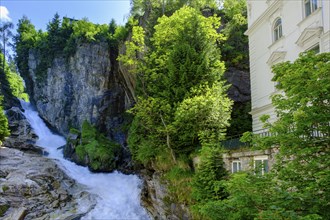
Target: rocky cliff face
32,186
92,86
84,87
240,90
89,85
155,198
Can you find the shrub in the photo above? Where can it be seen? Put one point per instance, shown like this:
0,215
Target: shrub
101,153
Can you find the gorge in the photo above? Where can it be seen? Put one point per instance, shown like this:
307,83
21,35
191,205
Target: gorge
118,195
121,110
151,119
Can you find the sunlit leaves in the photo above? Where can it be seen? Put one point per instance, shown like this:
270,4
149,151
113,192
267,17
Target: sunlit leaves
182,103
134,46
4,131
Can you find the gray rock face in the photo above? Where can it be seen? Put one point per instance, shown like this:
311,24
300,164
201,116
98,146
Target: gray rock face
153,198
22,136
240,90
85,87
33,187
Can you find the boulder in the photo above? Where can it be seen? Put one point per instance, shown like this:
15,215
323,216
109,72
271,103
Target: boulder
22,135
34,187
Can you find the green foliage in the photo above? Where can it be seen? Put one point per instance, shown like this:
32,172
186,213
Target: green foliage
14,80
3,209
297,187
88,32
247,194
116,34
133,47
182,100
182,103
179,178
148,136
15,88
302,130
204,117
60,40
4,131
235,48
24,40
96,148
207,183
241,120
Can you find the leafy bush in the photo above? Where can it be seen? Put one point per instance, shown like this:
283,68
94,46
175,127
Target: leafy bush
100,152
179,178
13,79
208,180
4,131
182,101
297,186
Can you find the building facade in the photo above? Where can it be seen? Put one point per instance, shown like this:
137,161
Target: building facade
279,30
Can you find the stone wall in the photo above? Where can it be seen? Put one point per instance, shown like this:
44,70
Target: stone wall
247,156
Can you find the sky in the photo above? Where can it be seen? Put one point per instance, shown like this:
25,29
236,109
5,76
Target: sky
40,12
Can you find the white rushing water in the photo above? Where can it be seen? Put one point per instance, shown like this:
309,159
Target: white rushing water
118,194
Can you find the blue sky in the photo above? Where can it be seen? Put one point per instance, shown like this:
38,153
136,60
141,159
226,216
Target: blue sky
40,12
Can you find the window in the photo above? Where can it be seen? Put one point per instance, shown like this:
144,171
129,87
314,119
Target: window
236,166
260,165
310,6
315,48
277,29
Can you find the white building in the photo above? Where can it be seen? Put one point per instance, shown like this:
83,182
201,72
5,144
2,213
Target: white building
278,31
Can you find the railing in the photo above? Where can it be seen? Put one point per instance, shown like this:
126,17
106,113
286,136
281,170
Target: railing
234,143
263,133
315,133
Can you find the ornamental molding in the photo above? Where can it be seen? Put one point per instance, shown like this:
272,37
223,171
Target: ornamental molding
275,57
308,34
265,16
261,109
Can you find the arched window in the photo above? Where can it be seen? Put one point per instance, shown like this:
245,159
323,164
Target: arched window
277,30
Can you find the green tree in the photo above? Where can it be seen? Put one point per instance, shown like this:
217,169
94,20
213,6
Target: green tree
208,180
55,42
297,186
88,32
5,29
235,48
13,81
95,150
302,131
182,102
24,40
4,131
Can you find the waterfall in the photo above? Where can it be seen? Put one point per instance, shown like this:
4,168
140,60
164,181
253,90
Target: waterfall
118,195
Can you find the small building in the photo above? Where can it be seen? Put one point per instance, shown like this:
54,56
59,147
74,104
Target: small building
258,161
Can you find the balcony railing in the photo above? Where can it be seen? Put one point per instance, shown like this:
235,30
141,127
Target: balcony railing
234,143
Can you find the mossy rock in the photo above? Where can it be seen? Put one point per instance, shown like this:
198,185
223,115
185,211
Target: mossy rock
94,150
3,209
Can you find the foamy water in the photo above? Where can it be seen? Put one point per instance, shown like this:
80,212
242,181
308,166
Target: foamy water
118,194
